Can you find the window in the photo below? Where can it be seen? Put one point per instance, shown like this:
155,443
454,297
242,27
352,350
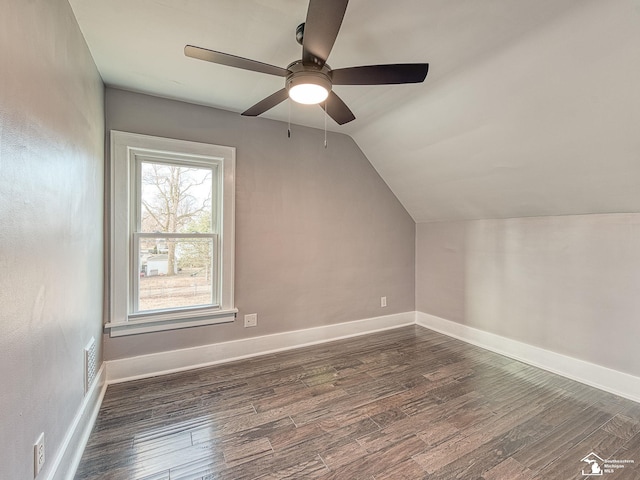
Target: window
172,234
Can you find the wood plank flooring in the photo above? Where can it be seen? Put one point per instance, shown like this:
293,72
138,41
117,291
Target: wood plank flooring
403,404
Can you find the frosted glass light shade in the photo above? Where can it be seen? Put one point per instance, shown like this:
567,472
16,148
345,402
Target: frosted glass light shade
308,93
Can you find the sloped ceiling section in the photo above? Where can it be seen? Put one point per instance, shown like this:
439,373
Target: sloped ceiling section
547,124
530,107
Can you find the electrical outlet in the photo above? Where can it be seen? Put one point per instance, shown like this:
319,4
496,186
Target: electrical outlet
383,301
38,455
251,320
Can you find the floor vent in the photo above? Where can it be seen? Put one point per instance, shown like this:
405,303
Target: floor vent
90,364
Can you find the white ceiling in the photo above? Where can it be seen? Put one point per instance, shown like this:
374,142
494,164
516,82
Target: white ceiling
531,107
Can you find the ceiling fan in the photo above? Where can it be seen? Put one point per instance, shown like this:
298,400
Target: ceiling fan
310,80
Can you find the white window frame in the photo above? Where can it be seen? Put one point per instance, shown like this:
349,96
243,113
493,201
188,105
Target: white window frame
126,148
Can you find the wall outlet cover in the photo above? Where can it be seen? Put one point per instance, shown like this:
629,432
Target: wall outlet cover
38,455
251,320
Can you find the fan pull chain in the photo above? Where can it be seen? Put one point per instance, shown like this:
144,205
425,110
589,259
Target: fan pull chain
325,123
289,126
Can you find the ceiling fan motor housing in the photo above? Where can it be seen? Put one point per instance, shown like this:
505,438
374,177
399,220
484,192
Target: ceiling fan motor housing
301,74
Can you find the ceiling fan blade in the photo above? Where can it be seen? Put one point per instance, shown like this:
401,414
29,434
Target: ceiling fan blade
337,109
266,104
381,74
233,61
321,27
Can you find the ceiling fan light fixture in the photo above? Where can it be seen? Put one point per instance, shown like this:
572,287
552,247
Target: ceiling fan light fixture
308,87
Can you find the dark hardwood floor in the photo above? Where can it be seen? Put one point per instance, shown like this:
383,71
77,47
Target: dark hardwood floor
402,404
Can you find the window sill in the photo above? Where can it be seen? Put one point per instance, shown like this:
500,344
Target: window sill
160,322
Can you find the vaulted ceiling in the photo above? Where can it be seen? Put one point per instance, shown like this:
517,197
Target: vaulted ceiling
531,107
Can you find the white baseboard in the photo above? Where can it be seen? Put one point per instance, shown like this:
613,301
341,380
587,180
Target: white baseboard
178,360
613,381
67,459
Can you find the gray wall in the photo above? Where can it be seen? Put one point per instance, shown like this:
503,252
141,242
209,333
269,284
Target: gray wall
51,233
567,284
319,236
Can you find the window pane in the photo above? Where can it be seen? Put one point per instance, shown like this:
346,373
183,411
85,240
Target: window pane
175,199
175,272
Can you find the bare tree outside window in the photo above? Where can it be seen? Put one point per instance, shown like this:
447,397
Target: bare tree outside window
175,272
